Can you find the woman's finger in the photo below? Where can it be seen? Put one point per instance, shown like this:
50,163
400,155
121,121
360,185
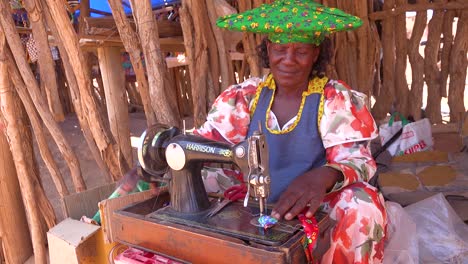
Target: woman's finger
297,208
284,204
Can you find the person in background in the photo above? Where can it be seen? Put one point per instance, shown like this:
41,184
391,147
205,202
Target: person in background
317,129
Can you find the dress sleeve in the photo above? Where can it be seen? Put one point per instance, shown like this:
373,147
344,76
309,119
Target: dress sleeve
229,117
347,128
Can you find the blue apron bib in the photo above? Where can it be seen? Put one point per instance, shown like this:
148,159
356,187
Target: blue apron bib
295,152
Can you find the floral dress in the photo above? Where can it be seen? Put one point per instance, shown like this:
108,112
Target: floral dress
346,127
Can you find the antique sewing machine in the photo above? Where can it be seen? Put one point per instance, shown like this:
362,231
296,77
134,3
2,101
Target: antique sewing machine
185,212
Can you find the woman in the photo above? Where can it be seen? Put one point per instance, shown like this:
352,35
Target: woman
317,129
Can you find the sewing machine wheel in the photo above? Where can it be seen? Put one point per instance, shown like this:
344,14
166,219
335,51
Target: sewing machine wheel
151,150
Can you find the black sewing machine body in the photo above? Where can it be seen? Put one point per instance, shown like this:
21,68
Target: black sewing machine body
177,158
175,222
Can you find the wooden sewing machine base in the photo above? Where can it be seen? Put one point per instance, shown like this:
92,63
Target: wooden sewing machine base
225,238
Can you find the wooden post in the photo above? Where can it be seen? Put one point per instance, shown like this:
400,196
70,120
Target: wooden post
36,124
45,61
401,43
132,46
39,102
23,168
84,13
197,54
366,48
458,66
113,78
387,94
417,64
447,31
14,230
75,97
161,85
346,52
431,71
249,44
224,57
101,134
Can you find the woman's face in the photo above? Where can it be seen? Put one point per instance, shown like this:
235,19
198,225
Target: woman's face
291,63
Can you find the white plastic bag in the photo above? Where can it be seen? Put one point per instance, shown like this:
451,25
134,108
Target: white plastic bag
416,136
442,235
402,243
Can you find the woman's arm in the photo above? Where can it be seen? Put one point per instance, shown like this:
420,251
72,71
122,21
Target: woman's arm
229,117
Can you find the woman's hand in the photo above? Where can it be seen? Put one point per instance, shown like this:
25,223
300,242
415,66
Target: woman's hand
307,190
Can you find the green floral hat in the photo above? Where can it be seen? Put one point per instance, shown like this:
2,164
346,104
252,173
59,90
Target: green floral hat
289,21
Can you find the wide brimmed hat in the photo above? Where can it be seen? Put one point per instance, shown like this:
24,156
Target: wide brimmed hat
290,21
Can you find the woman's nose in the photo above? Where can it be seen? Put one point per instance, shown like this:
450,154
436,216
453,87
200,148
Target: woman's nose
290,56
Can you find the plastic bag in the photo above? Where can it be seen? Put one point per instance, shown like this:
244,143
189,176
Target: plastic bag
415,136
442,235
402,244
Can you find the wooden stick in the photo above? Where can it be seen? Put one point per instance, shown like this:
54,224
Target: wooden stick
36,123
197,55
23,169
132,44
161,87
445,5
363,50
39,102
447,31
417,64
249,44
45,61
99,130
387,96
401,52
14,230
116,99
431,70
458,68
73,89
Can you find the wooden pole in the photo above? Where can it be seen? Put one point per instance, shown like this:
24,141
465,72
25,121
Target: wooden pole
132,45
9,109
197,54
84,13
458,67
447,31
14,230
100,132
401,43
161,86
431,71
417,64
224,58
249,44
73,88
113,78
386,97
45,61
366,49
39,102
36,123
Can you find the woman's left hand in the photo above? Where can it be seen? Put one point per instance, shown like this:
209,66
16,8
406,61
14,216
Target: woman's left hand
307,190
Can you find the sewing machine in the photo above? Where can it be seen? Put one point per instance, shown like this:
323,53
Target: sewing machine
176,159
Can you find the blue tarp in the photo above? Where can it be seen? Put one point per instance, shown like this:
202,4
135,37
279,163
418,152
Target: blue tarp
103,6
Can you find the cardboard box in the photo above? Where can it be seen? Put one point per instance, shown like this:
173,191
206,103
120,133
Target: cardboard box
72,241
